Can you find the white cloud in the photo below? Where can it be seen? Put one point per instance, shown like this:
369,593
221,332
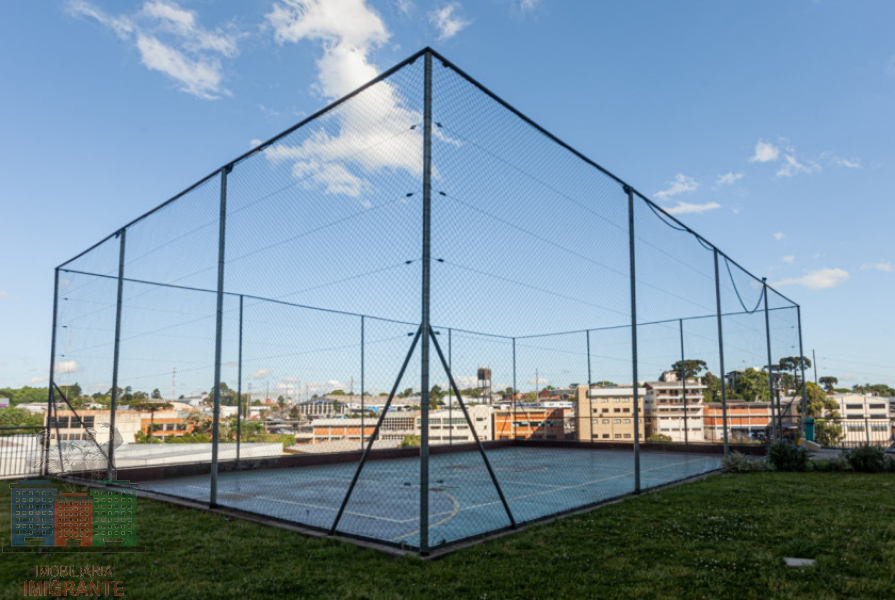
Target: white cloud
448,21
6,295
540,381
779,235
820,279
848,163
884,266
683,208
190,54
794,167
765,152
40,380
260,374
790,259
403,6
290,379
681,184
66,366
736,210
528,5
728,179
366,139
254,143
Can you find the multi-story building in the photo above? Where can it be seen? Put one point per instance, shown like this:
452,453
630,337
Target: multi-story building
330,430
165,424
73,519
127,422
607,414
114,516
866,418
744,420
674,408
32,512
529,423
450,426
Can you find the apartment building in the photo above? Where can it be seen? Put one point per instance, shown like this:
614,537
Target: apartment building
607,414
674,408
450,426
68,428
867,418
744,420
529,423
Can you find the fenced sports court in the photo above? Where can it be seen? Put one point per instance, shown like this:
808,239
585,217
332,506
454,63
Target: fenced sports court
419,243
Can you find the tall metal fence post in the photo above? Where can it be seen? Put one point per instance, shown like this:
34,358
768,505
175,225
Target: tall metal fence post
363,430
51,396
239,386
804,384
219,328
110,459
630,192
721,353
590,404
424,350
450,396
767,328
515,392
684,384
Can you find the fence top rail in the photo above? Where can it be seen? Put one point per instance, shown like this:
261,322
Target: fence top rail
384,75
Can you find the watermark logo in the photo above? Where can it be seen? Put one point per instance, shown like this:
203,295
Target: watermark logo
44,514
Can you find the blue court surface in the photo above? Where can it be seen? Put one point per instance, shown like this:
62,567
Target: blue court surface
463,502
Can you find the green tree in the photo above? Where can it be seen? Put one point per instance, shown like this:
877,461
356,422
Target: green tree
156,394
825,410
411,441
151,408
829,383
337,393
712,391
24,394
753,385
17,417
688,369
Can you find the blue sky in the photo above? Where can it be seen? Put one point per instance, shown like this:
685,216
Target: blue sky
766,128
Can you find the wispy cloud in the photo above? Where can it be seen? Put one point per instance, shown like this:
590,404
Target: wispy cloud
528,5
66,366
884,266
364,140
539,381
848,163
789,259
171,41
403,6
728,179
765,152
260,374
779,235
680,185
792,167
820,279
7,295
447,20
682,208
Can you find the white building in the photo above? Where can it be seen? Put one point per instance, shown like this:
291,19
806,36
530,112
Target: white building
451,426
669,411
866,418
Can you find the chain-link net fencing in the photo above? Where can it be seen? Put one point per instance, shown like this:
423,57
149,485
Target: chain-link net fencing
415,318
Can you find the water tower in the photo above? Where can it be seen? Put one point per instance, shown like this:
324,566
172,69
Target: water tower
484,383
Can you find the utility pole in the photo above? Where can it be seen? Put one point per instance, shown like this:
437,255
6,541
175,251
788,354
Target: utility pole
814,358
537,391
174,383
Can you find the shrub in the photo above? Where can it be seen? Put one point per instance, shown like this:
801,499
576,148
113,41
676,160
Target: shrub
783,455
866,459
659,437
889,463
739,463
837,464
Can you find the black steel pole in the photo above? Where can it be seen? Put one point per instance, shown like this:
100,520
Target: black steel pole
767,329
362,407
684,383
110,459
51,398
450,399
590,407
239,386
804,385
721,353
424,324
630,192
515,391
219,328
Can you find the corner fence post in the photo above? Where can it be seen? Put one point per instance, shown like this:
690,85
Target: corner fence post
721,353
424,325
239,386
684,383
630,192
767,329
110,459
51,398
219,327
362,407
804,383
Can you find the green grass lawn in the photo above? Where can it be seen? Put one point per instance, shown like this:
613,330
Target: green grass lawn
721,537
